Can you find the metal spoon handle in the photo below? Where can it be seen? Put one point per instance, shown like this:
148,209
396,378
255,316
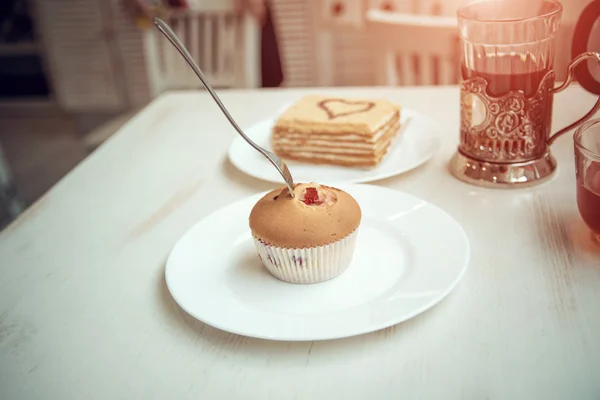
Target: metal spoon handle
273,158
168,32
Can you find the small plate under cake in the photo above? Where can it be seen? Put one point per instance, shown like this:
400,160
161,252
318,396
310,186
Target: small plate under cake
418,140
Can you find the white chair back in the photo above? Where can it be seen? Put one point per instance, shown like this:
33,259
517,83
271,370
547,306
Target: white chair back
224,44
414,49
294,21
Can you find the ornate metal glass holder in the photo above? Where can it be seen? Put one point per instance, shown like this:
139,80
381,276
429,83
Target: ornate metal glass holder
505,141
507,89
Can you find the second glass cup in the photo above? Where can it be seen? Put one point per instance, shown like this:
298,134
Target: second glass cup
587,168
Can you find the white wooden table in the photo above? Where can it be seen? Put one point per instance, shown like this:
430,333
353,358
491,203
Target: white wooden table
85,313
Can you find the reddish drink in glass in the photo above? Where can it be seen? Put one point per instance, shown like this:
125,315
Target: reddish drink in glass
507,73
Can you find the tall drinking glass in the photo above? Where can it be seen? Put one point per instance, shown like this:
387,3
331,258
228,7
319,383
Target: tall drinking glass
587,167
507,91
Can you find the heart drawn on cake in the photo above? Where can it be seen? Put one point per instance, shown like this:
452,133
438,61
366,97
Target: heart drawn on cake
336,108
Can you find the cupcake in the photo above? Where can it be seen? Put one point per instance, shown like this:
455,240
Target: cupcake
308,238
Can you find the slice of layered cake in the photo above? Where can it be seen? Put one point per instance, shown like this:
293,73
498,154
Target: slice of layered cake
338,131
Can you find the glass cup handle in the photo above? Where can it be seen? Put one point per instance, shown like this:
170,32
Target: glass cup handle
570,74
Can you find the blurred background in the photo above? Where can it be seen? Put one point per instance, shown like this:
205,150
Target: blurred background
73,71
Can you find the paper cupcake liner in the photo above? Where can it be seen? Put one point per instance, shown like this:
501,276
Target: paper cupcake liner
310,265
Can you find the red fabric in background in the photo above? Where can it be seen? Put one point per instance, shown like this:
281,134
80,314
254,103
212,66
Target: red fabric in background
177,3
271,69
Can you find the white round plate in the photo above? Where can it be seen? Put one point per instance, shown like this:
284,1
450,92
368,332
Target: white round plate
409,256
417,142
